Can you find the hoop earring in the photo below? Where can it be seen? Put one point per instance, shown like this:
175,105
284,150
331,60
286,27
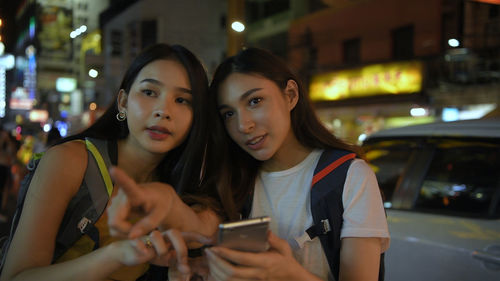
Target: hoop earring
121,116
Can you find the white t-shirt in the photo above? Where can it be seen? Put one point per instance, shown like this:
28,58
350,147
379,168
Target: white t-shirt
285,197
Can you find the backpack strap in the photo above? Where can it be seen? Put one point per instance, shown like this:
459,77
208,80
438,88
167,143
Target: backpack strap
326,203
332,162
247,206
87,206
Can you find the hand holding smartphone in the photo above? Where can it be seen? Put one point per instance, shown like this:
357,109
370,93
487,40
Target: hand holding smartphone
249,235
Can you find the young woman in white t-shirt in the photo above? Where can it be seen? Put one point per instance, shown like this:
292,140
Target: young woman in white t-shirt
274,143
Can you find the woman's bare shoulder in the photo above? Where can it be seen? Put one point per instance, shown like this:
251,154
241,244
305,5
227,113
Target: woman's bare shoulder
72,153
65,162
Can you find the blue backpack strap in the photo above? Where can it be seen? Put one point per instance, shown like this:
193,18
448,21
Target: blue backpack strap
326,203
87,206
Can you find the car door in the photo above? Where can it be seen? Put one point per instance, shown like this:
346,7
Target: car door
442,200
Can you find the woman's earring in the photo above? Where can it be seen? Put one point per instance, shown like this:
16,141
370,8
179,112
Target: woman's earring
121,116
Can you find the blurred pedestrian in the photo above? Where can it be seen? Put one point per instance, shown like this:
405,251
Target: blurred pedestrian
7,158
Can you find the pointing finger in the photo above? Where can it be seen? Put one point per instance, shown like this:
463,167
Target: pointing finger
180,247
129,186
117,215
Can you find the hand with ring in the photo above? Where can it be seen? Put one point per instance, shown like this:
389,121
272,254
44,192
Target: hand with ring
170,248
147,242
132,252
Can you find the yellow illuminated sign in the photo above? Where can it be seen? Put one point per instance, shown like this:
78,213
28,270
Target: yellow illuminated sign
391,78
92,42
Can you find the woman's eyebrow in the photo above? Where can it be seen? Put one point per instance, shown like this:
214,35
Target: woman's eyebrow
249,92
244,96
159,83
185,90
151,80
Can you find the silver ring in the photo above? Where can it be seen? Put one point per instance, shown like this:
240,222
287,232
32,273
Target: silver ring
147,241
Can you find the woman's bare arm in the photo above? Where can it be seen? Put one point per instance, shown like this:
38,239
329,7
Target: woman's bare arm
56,181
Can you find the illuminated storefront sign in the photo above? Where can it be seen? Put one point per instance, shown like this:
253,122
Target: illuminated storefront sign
3,102
391,78
65,84
30,72
493,2
6,62
38,115
55,27
20,99
92,42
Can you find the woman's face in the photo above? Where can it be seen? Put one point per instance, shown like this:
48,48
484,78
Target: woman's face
256,113
158,106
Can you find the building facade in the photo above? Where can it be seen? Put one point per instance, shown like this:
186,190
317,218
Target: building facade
373,64
198,25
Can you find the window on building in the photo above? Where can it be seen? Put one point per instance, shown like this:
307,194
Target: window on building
402,42
256,10
134,38
223,23
82,6
449,29
351,51
316,5
148,33
116,43
493,12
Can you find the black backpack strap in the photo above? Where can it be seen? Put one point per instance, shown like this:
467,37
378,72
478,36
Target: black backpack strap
247,206
87,206
326,203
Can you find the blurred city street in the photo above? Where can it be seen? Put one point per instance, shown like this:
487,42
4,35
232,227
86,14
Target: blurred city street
369,66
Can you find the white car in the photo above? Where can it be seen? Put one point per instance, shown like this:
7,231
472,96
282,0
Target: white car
441,185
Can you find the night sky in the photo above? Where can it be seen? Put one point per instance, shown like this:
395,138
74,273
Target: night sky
7,30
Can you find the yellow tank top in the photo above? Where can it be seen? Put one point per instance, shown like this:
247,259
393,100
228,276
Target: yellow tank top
85,245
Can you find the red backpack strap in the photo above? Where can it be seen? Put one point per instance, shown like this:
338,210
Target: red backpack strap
328,169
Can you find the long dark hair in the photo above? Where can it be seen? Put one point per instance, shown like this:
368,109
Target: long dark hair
182,166
308,130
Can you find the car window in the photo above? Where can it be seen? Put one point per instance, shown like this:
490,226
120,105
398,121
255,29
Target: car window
462,178
388,160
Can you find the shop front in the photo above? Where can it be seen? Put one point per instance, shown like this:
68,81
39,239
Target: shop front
356,102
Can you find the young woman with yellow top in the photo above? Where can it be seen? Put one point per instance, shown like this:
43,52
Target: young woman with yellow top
157,127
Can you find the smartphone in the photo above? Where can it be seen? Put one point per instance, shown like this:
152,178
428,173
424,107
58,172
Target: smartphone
249,235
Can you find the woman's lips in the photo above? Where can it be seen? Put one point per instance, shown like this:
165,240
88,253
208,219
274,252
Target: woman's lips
158,132
256,143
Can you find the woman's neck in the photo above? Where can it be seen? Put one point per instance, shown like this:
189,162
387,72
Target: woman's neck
291,153
137,163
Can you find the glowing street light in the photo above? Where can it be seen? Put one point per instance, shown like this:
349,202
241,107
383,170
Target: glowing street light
238,26
453,42
419,112
75,33
93,73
